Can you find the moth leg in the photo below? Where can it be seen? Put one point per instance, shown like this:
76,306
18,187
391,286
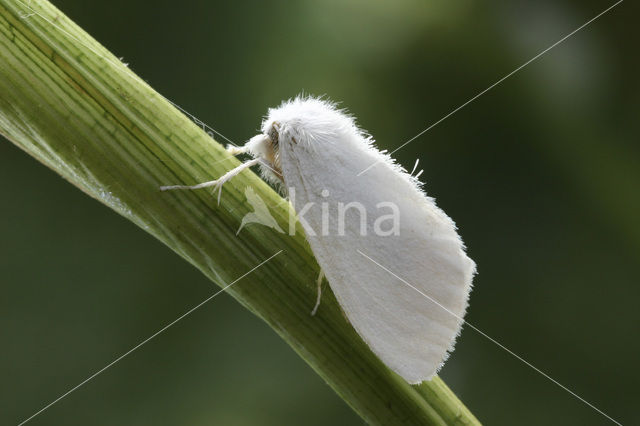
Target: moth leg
237,150
319,284
218,182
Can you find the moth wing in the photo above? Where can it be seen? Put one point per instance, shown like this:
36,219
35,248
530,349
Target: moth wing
409,332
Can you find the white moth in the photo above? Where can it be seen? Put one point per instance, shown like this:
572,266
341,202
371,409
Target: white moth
317,152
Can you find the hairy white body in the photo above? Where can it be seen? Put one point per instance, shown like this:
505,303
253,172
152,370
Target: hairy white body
318,151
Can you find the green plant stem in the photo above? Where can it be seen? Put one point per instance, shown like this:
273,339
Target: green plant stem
68,102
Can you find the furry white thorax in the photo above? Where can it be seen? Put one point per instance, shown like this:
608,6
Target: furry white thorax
315,122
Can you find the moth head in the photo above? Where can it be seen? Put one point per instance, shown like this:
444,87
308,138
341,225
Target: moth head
274,134
265,146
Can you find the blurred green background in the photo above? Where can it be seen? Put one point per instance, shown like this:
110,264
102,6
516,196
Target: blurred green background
541,174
